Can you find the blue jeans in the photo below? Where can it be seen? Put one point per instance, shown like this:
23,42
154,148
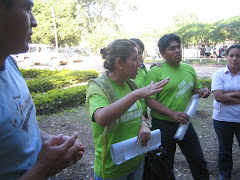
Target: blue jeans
190,147
225,132
137,174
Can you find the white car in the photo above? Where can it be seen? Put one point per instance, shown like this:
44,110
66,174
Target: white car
42,54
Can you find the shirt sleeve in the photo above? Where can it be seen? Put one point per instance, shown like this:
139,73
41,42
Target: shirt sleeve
217,82
96,102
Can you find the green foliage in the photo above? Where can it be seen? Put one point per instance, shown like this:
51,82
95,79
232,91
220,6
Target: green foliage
33,73
76,20
60,79
206,83
58,99
218,32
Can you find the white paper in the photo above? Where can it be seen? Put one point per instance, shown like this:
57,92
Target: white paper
182,129
129,148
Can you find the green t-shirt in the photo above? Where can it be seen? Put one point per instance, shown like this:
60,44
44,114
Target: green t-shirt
141,77
177,92
140,81
128,127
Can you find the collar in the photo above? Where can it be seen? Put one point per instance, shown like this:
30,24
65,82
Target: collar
227,71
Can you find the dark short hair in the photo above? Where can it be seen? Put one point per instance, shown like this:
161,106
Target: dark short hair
8,3
231,47
120,48
164,41
138,42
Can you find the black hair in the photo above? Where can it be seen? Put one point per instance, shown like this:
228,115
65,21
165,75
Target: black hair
8,3
231,47
164,41
120,48
139,42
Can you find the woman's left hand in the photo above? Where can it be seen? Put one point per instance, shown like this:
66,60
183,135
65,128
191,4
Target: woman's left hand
144,134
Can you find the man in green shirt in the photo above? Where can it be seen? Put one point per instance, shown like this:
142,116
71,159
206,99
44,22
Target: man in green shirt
167,107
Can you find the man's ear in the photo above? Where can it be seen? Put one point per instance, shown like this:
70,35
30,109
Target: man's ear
163,55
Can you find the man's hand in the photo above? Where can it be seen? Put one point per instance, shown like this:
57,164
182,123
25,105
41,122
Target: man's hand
180,117
204,92
58,153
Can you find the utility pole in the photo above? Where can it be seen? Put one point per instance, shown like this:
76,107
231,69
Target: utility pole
55,29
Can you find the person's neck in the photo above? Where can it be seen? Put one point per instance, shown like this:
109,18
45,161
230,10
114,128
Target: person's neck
116,77
173,64
234,71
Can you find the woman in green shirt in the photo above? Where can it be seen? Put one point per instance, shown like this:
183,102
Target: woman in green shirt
116,112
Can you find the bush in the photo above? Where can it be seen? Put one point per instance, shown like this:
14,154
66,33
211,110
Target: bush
206,83
58,99
59,80
34,73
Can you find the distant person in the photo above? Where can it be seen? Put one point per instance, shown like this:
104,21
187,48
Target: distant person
26,153
116,112
208,50
226,112
202,51
214,51
167,108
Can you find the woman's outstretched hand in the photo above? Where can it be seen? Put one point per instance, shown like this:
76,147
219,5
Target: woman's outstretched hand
152,88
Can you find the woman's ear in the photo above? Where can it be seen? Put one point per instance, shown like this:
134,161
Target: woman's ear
119,63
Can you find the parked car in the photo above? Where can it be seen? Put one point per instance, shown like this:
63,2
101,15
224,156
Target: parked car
43,54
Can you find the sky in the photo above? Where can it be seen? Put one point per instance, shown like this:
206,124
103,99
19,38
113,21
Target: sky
158,13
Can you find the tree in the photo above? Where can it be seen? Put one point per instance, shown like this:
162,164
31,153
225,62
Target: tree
227,30
76,19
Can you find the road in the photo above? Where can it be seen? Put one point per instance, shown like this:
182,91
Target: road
96,63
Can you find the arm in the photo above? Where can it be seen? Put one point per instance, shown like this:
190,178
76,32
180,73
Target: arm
178,116
144,133
106,115
57,153
235,94
226,98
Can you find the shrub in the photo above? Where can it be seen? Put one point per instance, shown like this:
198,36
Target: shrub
34,73
59,80
58,99
206,83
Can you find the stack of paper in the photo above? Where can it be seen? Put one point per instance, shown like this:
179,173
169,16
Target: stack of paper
129,148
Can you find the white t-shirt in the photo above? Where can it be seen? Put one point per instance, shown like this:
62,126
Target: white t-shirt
223,79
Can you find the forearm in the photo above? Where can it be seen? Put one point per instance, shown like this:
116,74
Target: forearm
234,94
36,173
114,111
226,97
